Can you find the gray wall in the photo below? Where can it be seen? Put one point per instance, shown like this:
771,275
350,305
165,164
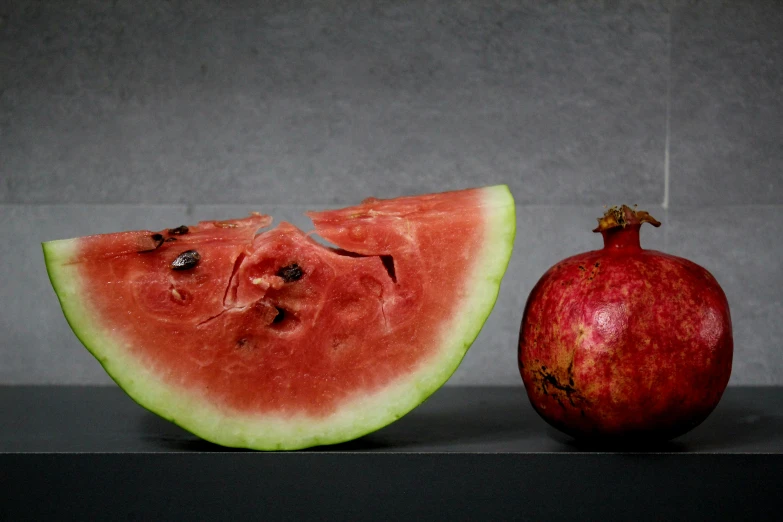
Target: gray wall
115,116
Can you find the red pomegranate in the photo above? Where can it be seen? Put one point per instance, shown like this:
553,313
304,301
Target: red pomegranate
625,342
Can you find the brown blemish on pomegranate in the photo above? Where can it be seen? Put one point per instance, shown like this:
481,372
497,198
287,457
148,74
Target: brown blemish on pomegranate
551,384
580,336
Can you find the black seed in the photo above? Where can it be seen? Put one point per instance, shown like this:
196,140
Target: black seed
179,230
291,273
186,260
169,240
279,317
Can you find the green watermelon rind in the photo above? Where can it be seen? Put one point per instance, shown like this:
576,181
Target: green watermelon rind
150,388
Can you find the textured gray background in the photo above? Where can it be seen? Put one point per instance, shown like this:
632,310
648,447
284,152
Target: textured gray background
124,115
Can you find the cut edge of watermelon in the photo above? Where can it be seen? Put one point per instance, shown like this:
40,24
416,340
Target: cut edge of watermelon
360,417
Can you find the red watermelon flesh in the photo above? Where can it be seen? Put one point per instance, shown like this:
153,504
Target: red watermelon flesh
271,340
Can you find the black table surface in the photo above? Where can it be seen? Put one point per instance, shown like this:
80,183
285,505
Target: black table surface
468,453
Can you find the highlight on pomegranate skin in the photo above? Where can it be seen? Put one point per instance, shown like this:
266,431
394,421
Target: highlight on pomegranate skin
625,343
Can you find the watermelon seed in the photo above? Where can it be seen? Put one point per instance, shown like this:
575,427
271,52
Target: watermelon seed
291,273
158,239
186,260
179,230
280,316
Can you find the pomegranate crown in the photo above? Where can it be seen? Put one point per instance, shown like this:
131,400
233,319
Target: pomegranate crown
624,216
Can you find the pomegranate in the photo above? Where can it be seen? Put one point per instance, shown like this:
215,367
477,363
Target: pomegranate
625,342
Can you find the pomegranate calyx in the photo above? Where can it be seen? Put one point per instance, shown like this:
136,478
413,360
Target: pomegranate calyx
622,217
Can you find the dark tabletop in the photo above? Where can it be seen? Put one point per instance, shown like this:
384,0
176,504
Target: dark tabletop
91,453
455,419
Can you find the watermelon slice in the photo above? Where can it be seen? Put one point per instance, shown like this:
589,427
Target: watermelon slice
273,341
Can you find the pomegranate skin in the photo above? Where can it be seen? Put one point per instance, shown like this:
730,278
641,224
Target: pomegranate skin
624,342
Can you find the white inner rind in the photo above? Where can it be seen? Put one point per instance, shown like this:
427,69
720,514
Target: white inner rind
354,418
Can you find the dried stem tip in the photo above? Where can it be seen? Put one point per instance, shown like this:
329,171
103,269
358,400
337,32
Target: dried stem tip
623,216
